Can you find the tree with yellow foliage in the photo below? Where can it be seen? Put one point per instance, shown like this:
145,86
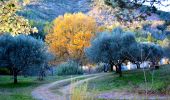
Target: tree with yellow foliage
71,35
12,23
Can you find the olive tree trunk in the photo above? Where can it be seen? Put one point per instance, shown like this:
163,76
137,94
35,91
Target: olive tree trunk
156,65
138,65
15,74
117,68
120,70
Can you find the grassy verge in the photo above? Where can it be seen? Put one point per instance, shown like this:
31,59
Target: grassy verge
158,81
22,90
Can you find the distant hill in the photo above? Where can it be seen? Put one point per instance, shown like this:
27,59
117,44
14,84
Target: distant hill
47,10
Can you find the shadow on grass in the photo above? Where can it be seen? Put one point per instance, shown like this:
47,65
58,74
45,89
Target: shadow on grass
18,85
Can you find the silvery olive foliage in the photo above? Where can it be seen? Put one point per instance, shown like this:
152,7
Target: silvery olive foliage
22,52
119,46
110,47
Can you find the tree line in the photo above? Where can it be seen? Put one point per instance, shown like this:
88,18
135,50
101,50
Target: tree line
118,46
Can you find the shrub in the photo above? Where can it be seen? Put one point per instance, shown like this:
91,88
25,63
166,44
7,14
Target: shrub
4,71
69,68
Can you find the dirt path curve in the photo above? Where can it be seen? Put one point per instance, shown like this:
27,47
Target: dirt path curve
43,92
66,91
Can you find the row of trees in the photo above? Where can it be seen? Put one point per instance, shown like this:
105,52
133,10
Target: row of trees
118,46
75,37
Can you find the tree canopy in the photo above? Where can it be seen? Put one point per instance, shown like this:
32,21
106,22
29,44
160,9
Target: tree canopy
118,46
70,35
22,52
12,23
111,48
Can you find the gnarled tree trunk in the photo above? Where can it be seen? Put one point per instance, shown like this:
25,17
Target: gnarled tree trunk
111,67
156,65
117,68
138,65
120,70
15,74
105,68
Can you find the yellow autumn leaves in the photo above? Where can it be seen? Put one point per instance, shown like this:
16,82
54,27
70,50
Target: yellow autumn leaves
71,35
12,23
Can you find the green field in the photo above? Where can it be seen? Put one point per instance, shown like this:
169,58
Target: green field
157,81
22,90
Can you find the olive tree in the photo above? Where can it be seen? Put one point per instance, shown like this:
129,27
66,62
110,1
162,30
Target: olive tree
119,46
140,52
22,52
111,48
166,46
134,54
156,53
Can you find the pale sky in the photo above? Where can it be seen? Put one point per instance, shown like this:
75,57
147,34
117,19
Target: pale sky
163,8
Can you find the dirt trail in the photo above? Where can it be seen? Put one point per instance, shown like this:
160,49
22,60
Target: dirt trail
66,91
44,93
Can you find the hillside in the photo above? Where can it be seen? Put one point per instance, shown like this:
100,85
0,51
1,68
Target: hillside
47,10
43,11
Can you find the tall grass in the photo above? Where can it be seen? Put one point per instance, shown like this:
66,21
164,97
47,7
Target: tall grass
80,93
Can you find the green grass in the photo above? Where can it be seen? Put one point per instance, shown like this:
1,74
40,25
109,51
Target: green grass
133,81
22,90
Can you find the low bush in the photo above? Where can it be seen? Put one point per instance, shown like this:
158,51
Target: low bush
69,68
4,71
99,68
